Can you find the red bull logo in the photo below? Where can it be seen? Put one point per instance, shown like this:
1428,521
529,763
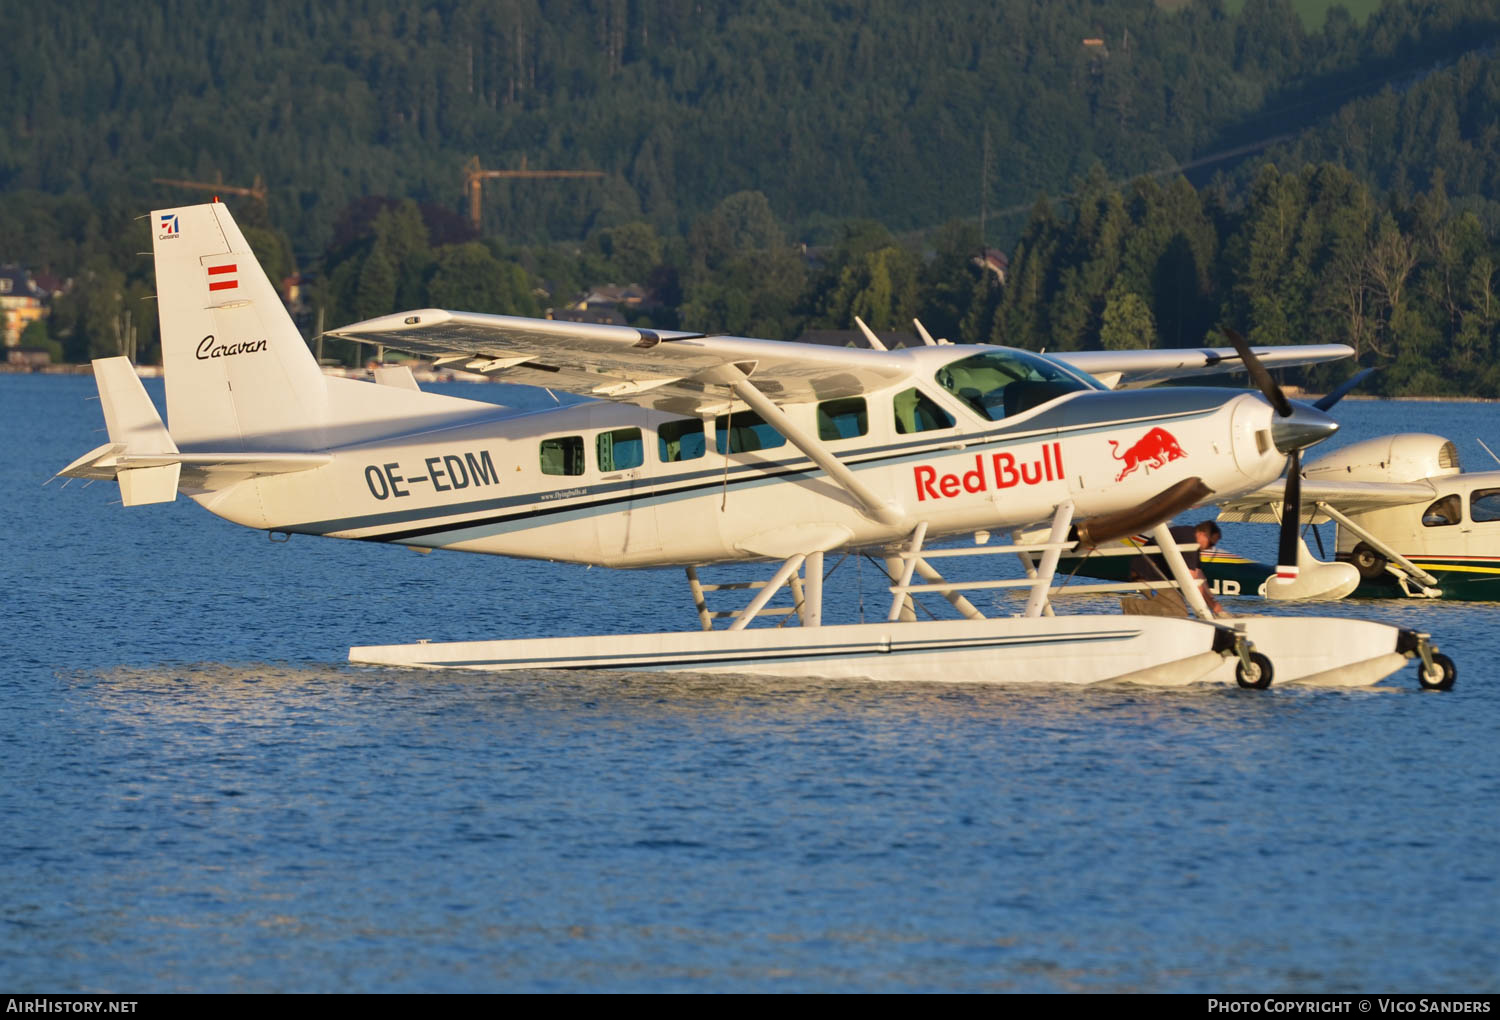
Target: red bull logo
1157,446
1002,471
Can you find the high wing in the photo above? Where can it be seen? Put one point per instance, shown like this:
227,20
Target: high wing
1346,497
1123,370
662,369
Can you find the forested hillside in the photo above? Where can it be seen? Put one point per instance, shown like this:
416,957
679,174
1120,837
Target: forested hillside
831,110
731,134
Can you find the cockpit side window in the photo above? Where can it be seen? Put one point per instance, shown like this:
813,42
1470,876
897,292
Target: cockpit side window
917,412
998,384
1484,505
1443,512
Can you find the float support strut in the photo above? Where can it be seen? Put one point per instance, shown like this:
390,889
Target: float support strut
908,564
1060,523
1191,592
764,595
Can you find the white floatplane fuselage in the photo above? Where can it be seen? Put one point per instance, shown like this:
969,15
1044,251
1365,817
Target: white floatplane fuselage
704,450
548,485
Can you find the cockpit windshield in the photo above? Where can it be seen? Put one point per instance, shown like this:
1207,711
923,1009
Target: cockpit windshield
998,384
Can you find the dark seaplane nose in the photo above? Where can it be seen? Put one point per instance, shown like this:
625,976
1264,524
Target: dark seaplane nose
1304,427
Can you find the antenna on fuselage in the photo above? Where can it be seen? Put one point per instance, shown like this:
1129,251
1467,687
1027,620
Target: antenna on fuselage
870,337
927,337
1487,450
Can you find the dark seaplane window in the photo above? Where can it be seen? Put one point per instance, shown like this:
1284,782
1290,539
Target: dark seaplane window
1444,512
998,384
746,431
843,419
680,440
916,412
619,449
1484,505
562,455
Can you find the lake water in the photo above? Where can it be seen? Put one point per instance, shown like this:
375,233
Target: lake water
198,794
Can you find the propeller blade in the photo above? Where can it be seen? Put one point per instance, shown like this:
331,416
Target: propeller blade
1258,374
1339,392
1291,519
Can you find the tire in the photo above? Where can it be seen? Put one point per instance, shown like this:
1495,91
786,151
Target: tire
1259,678
1369,563
1447,673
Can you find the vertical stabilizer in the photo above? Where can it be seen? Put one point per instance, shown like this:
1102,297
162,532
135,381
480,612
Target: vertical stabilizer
135,430
129,415
239,376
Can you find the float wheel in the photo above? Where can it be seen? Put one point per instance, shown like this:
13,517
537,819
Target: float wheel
1367,561
1258,676
1444,672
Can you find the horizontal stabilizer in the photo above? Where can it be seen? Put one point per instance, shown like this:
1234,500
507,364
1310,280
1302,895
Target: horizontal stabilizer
111,461
143,458
153,480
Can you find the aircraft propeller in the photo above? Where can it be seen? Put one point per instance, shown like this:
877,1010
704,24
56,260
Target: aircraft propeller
1338,393
1301,425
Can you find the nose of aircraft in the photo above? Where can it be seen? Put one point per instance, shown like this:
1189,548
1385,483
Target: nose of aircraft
1305,426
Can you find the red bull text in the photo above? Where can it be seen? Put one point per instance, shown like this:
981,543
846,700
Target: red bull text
1004,471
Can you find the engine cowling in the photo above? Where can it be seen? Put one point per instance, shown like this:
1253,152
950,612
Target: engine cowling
1404,457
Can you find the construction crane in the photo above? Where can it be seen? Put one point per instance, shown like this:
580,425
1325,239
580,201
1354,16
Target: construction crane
256,191
474,176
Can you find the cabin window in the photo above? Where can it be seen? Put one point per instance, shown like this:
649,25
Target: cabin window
745,432
680,440
1444,512
1484,505
843,419
916,412
998,384
619,449
562,455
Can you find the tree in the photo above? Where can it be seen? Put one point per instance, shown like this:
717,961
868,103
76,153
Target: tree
1127,322
90,317
375,292
879,286
1389,264
742,222
468,278
630,250
35,335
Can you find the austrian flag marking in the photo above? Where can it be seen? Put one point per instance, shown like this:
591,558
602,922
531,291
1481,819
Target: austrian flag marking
224,277
999,470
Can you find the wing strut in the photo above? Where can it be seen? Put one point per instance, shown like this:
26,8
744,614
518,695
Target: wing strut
871,505
1416,572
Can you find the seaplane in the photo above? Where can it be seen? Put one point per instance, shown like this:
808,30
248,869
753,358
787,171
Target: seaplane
695,450
1409,523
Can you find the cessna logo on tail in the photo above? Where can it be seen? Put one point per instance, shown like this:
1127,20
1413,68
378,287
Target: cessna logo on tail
1158,446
